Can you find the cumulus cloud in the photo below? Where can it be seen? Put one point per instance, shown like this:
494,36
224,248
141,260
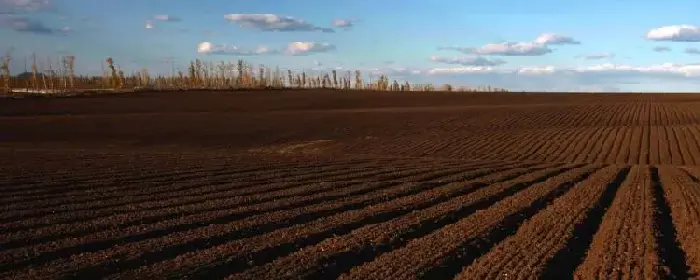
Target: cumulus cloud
468,60
222,49
675,33
693,51
598,56
555,39
344,23
24,24
661,49
166,18
11,6
272,22
305,48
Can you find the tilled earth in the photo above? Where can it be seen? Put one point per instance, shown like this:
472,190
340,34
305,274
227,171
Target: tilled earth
361,185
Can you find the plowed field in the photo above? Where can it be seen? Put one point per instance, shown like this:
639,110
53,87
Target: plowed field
326,185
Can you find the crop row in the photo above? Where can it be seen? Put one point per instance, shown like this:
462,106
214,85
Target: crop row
672,145
480,220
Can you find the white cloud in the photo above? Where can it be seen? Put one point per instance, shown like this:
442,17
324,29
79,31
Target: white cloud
402,71
304,48
536,70
210,48
661,49
538,47
398,73
462,70
603,77
344,23
9,6
468,60
555,39
598,56
293,48
693,51
509,49
686,70
167,18
676,33
149,25
606,77
272,22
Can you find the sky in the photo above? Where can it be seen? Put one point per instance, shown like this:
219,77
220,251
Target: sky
534,45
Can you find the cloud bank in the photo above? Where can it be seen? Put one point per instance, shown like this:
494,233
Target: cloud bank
602,77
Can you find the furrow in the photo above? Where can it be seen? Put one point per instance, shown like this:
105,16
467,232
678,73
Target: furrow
275,234
556,238
68,216
443,253
100,193
337,255
46,252
624,246
193,193
677,201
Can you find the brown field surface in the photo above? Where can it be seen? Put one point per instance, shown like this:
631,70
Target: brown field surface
351,185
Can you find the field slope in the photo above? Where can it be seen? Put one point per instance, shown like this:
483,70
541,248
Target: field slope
350,185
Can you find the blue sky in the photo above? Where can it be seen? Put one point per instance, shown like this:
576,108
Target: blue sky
639,45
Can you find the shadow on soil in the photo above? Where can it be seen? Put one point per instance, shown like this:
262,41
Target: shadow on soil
105,244
473,249
565,262
338,264
669,250
232,266
265,256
